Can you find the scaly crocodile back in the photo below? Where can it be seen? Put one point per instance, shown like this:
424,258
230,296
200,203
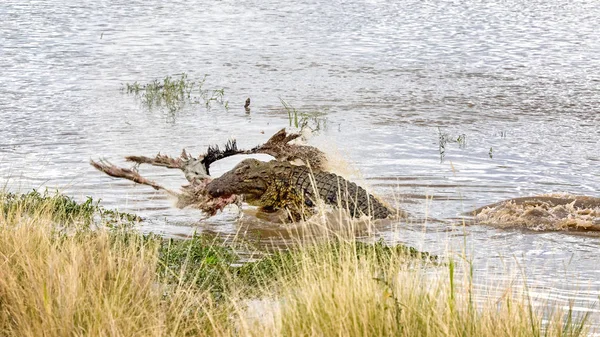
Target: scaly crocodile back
280,185
336,191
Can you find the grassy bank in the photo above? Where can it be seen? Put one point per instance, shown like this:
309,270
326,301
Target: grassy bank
70,269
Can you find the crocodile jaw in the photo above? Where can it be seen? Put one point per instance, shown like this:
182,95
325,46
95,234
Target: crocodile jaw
246,179
252,190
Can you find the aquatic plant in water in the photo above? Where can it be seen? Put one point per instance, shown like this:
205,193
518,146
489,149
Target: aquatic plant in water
314,120
445,138
174,93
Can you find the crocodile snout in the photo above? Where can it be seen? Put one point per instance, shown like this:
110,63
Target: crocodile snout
215,191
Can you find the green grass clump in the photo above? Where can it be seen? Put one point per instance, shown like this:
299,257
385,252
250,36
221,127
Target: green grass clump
200,261
445,138
314,121
212,266
174,93
59,207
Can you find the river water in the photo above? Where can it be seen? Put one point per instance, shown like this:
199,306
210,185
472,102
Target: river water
518,81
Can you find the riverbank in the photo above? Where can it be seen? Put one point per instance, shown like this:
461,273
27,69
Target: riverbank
75,269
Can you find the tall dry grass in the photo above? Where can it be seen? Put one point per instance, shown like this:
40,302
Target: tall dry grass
334,285
60,278
64,279
350,294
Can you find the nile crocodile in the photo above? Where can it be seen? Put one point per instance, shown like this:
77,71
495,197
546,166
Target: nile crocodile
278,185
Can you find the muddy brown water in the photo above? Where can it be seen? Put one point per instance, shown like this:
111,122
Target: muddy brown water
398,83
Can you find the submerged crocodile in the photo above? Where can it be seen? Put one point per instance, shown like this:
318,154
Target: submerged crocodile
543,212
279,185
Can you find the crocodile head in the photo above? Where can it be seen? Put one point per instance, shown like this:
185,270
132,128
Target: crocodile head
249,178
